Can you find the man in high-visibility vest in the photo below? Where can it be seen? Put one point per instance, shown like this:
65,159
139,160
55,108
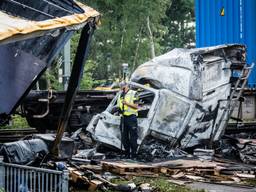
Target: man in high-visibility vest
127,102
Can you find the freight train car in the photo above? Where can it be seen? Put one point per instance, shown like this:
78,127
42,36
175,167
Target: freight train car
230,21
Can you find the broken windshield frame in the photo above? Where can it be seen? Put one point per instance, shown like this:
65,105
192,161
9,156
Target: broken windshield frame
144,110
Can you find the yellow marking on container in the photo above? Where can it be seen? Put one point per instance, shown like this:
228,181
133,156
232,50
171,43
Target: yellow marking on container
222,12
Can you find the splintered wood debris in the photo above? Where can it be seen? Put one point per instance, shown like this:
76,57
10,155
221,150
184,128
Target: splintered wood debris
179,172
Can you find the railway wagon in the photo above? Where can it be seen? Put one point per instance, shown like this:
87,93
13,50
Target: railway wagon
225,22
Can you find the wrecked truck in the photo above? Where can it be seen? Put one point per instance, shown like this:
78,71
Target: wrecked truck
186,97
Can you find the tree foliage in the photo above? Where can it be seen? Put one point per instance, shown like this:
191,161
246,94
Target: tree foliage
87,82
180,23
124,34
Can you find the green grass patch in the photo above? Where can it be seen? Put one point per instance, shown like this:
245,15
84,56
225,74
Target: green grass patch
17,122
251,182
159,184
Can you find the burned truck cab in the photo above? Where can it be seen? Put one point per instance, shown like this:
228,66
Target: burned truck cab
105,127
192,91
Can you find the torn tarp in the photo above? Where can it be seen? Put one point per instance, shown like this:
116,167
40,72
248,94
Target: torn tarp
184,98
35,146
31,34
66,145
23,152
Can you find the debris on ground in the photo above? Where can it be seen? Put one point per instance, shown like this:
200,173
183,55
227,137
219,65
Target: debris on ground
179,171
206,154
24,152
186,98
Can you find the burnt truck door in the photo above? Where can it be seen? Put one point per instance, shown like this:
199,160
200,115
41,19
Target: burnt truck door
105,127
171,116
148,100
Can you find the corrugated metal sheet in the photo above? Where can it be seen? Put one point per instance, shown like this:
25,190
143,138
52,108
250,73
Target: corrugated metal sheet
228,21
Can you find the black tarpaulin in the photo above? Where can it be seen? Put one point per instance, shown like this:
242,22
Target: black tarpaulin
32,32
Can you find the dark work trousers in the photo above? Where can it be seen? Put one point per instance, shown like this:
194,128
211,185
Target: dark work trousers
130,135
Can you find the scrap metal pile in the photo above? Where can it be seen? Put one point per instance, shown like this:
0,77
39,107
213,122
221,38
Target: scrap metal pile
186,98
91,170
181,172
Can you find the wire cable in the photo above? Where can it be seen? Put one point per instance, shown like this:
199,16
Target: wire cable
58,6
31,8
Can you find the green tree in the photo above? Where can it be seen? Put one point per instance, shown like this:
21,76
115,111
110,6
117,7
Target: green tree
132,31
179,20
123,36
87,81
129,28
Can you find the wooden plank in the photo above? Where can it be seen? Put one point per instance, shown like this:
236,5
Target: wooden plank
94,185
122,164
124,168
178,175
77,176
94,168
243,175
195,171
145,174
236,179
187,163
168,171
195,178
178,182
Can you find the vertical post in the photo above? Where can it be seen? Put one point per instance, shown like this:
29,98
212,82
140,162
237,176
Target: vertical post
151,38
125,70
2,176
76,75
37,86
64,181
66,66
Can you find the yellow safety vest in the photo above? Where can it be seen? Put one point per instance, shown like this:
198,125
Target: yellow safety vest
130,97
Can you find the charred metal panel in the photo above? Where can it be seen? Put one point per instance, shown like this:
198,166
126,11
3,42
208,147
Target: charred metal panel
23,152
29,48
17,71
191,104
171,115
40,10
173,70
22,65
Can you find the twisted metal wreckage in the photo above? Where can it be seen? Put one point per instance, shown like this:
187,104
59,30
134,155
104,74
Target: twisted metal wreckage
32,34
186,98
186,95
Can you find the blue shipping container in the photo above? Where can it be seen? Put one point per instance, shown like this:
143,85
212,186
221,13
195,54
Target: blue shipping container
228,21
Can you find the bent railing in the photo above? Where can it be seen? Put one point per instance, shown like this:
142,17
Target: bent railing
20,178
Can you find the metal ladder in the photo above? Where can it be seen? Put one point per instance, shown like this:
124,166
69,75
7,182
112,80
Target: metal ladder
236,93
237,90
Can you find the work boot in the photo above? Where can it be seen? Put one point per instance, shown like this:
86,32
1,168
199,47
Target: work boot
126,156
134,157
